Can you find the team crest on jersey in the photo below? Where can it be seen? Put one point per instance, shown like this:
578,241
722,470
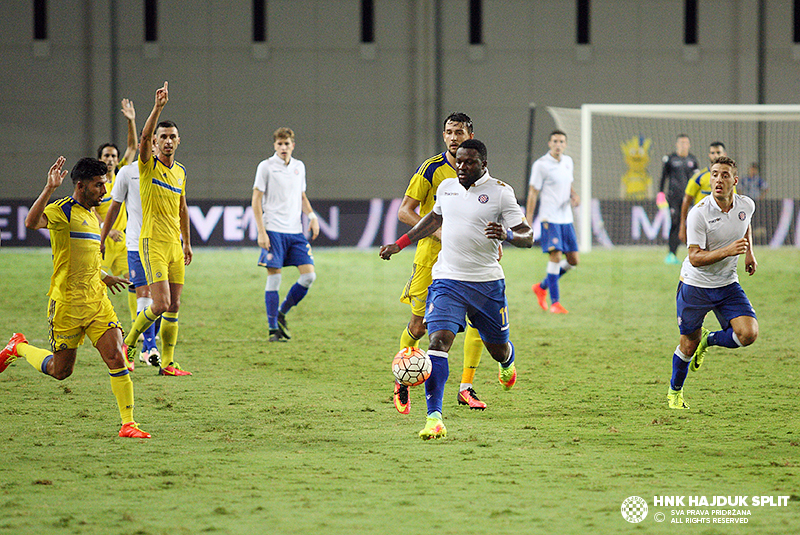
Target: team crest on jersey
483,198
742,216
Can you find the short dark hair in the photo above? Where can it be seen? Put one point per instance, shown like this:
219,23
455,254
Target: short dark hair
104,145
556,132
475,145
166,124
681,135
458,117
725,160
87,169
717,144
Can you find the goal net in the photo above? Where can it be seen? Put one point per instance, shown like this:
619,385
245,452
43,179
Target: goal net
618,151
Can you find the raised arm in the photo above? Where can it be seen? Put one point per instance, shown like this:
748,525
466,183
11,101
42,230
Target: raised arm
146,144
130,114
36,218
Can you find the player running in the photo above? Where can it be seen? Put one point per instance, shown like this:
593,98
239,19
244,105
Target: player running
79,305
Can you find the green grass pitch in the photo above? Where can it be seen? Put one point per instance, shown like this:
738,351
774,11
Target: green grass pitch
302,437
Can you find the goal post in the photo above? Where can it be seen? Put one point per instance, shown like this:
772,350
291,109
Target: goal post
617,187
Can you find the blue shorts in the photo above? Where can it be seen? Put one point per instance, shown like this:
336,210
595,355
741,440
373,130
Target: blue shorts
450,303
694,303
558,237
136,270
286,250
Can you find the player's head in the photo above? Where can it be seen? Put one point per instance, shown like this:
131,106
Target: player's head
682,145
470,161
89,177
724,177
456,129
557,142
108,153
715,150
283,141
166,138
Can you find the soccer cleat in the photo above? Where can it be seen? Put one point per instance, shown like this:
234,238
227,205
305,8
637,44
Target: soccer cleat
556,308
130,353
434,428
275,335
173,370
131,430
9,353
469,397
700,352
507,376
401,398
541,295
283,326
675,399
671,259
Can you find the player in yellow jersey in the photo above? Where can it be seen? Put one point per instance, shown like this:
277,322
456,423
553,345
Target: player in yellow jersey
115,254
164,243
79,304
699,186
420,194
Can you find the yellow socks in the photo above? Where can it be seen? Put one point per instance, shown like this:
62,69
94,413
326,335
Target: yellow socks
38,358
473,347
144,320
122,387
169,337
132,303
407,339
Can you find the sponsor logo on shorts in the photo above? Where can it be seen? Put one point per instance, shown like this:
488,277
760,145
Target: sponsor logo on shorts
158,274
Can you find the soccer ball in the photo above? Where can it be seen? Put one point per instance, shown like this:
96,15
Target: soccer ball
411,366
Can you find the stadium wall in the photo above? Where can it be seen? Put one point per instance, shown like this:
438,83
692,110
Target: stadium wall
373,222
363,113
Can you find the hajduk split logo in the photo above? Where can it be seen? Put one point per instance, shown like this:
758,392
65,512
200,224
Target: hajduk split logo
634,509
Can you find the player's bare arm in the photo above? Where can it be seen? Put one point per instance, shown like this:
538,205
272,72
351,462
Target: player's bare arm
530,206
520,235
55,176
700,257
750,264
146,144
133,143
574,198
258,214
185,232
115,284
686,205
407,213
426,226
106,230
313,220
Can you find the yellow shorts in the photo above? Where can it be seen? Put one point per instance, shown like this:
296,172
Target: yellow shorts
415,291
69,322
162,261
115,260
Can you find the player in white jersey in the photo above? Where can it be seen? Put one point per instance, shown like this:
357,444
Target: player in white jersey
126,190
717,231
551,183
279,199
476,213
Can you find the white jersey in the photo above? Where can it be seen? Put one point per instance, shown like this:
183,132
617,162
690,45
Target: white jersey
467,254
126,189
710,228
283,186
553,178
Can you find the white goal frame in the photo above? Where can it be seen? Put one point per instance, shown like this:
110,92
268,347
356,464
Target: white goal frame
719,112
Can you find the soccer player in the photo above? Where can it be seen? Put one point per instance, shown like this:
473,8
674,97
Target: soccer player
420,194
126,193
78,304
718,231
279,199
114,254
699,186
678,168
164,243
551,175
476,214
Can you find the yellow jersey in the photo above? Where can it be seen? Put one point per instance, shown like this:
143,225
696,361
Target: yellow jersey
161,189
75,240
422,187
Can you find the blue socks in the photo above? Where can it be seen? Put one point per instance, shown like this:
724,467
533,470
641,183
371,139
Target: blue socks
271,300
296,293
725,338
680,368
434,386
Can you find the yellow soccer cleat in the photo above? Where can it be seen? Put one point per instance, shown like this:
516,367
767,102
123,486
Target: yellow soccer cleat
675,399
434,428
700,352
